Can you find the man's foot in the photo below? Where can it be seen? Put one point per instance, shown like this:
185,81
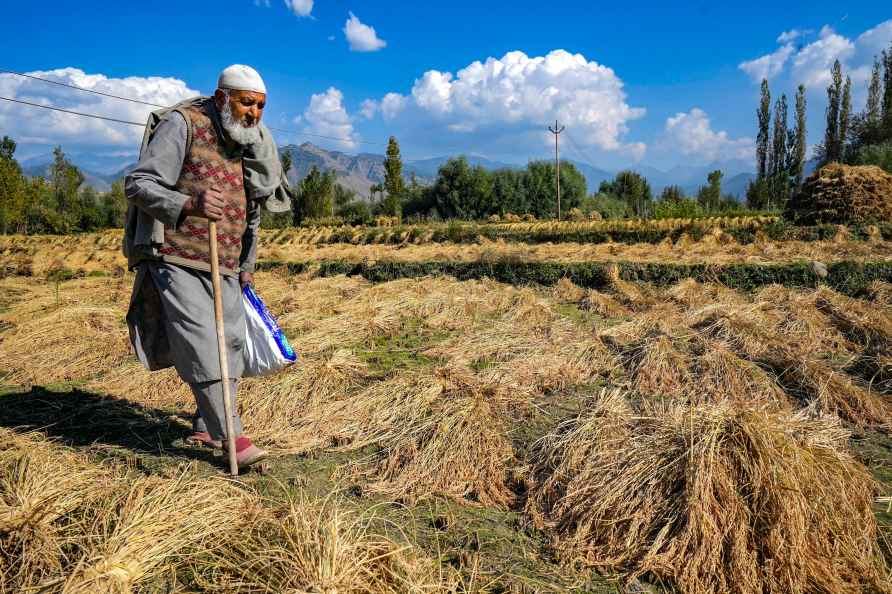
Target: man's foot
246,453
204,438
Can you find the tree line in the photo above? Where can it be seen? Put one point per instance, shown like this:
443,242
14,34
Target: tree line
60,202
471,192
863,138
57,203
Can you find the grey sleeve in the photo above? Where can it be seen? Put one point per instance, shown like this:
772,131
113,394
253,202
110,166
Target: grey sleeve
250,239
150,186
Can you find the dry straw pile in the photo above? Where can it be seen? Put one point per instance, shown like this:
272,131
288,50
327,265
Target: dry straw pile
69,525
710,498
839,193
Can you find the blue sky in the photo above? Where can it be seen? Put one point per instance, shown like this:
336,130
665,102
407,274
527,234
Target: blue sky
651,82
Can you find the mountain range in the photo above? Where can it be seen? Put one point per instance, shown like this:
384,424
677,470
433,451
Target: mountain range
360,172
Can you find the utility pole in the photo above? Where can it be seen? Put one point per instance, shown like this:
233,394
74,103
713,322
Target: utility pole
557,164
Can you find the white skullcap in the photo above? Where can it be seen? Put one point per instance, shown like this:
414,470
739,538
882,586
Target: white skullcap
239,77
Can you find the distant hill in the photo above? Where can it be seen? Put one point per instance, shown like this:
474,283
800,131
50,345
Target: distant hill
98,182
356,172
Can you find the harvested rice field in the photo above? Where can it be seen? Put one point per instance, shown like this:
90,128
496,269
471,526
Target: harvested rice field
464,436
100,252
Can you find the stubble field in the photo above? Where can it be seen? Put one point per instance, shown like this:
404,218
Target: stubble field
446,435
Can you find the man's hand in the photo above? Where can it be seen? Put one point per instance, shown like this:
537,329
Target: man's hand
245,278
208,205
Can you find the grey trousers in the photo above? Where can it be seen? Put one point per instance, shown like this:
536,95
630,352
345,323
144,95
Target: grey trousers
187,319
187,301
211,415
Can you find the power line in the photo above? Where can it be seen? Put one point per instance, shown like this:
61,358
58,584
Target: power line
584,156
72,112
77,88
150,104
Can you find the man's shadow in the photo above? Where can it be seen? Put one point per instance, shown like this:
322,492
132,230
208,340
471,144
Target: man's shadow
80,419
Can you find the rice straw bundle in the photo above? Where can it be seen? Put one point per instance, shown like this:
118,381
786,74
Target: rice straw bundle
604,305
154,526
880,293
833,392
45,492
567,291
691,293
713,498
719,374
868,326
274,408
70,343
376,414
658,366
321,546
134,383
459,451
801,323
747,330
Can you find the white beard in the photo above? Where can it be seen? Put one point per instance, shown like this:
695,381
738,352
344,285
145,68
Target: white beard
237,132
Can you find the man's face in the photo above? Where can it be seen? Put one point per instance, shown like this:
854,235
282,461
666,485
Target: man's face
247,106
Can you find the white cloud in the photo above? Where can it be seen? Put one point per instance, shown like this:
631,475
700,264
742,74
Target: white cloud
327,116
361,37
264,3
873,41
302,8
810,64
516,96
769,65
691,134
39,126
392,104
368,108
790,36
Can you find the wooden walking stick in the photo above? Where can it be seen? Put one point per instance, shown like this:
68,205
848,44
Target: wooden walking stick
221,348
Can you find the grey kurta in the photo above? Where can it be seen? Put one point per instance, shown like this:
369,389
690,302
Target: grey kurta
185,334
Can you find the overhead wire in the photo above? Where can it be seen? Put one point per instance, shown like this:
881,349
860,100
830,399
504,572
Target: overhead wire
72,112
160,106
150,104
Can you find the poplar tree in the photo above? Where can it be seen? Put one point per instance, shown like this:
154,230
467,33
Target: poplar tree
777,157
393,179
874,109
845,117
831,135
887,93
779,180
798,139
763,114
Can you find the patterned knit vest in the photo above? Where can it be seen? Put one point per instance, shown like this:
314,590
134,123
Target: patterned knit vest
208,166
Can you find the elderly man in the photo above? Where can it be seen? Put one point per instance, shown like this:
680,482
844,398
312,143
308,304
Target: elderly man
206,159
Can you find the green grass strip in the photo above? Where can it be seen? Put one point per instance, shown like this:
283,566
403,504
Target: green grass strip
850,278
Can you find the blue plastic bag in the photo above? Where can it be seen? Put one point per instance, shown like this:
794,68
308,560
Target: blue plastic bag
266,348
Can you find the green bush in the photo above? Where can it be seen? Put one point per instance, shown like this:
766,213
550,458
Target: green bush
876,154
686,208
850,278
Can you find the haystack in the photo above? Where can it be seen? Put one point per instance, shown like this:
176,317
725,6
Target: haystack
843,194
714,498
